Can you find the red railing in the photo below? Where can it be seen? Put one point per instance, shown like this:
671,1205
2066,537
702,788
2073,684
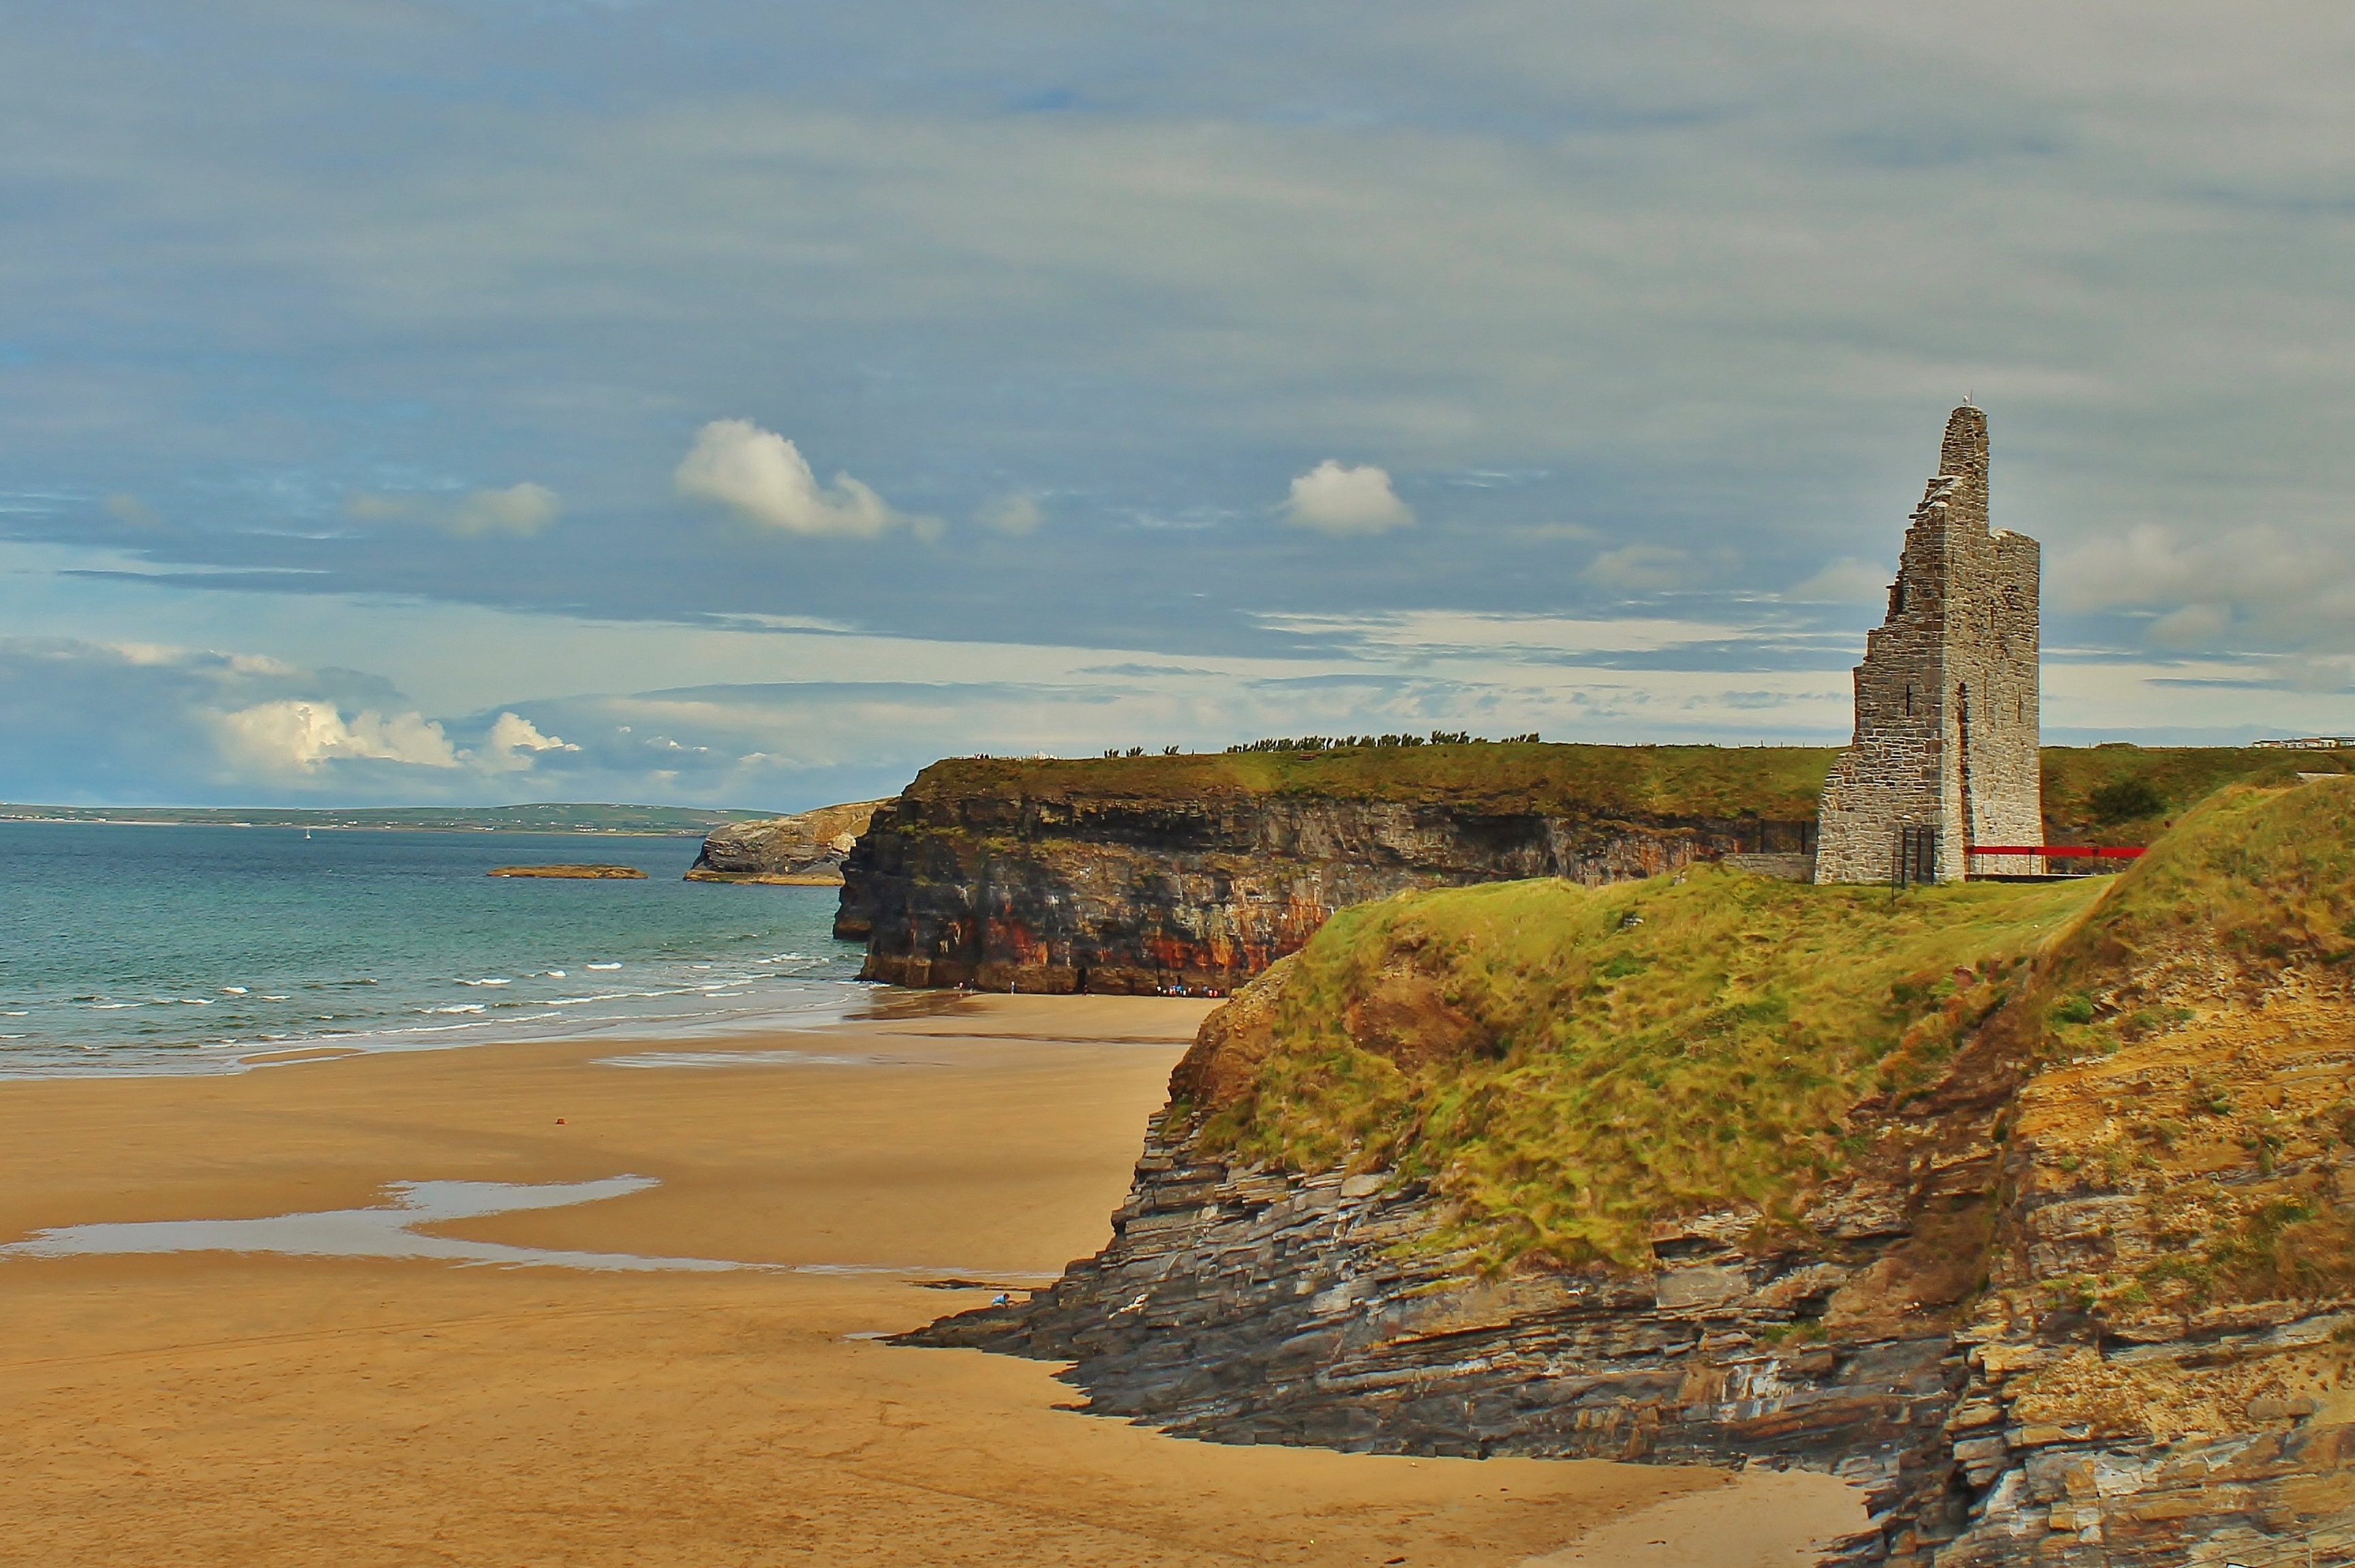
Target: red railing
2060,852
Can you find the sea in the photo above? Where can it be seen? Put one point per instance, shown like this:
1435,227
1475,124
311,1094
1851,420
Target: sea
130,948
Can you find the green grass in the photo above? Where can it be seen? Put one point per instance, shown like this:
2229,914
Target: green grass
1778,783
2254,877
2128,794
1568,1065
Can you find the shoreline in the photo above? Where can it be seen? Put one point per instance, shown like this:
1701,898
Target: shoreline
215,1408
230,1058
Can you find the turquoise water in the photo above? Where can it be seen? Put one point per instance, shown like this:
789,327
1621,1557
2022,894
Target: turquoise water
167,949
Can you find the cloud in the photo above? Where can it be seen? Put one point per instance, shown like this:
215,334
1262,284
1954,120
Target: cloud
1345,501
2193,626
2267,584
1016,514
1640,569
308,734
764,478
132,509
522,510
512,745
1843,581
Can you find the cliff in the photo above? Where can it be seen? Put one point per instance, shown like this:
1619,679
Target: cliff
806,849
1141,874
2026,1208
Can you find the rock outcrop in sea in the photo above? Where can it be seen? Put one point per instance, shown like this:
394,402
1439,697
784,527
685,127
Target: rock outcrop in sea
2051,1250
807,849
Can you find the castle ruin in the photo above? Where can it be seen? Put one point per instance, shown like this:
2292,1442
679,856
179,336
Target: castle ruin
1945,748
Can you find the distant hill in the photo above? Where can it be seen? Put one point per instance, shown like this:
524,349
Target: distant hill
682,822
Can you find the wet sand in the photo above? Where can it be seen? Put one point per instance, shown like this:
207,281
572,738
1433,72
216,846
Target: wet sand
215,1408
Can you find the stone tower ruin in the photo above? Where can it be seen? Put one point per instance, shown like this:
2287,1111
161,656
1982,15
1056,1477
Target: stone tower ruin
1945,748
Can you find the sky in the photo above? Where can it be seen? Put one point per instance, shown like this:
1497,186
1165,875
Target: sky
726,403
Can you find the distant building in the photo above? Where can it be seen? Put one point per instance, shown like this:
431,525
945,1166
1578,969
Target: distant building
1946,723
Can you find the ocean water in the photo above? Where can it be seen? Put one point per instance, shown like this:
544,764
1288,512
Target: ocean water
132,948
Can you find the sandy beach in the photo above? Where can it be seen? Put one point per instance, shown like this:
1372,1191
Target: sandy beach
219,1408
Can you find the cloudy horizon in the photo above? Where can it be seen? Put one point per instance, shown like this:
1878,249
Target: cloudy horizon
720,403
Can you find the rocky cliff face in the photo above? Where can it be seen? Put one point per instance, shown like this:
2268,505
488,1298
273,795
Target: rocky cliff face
1071,877
806,849
2084,1297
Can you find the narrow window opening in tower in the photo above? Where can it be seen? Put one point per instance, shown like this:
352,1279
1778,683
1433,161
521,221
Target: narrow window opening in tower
1909,701
1897,598
1963,759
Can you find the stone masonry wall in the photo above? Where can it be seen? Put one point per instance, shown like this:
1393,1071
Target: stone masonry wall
1946,699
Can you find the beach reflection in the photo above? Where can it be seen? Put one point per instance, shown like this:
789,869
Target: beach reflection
387,1232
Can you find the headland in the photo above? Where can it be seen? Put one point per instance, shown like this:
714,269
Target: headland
1153,874
2029,1208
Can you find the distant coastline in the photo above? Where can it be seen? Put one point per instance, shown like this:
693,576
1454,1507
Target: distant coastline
670,821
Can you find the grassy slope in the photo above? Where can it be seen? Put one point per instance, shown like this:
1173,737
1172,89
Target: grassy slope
2264,877
1779,783
1567,1076
2179,776
2204,1007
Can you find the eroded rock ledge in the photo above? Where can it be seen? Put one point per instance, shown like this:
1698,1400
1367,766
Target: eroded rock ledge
2084,1300
802,851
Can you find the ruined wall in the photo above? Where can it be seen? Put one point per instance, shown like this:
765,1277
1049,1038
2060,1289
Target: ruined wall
1947,701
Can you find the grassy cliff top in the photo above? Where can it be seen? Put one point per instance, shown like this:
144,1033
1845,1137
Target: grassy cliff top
1570,1065
2111,794
2129,794
1776,782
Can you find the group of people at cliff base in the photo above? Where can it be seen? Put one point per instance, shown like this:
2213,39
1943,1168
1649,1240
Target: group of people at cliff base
1080,989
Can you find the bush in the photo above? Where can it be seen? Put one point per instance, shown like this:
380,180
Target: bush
2124,800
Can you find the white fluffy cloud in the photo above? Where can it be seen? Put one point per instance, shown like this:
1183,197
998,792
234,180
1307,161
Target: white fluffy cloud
304,736
512,744
297,735
1340,501
2261,584
520,509
764,478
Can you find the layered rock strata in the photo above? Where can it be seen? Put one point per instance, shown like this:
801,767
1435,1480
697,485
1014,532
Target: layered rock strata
1007,888
803,851
2084,1300
1250,1306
